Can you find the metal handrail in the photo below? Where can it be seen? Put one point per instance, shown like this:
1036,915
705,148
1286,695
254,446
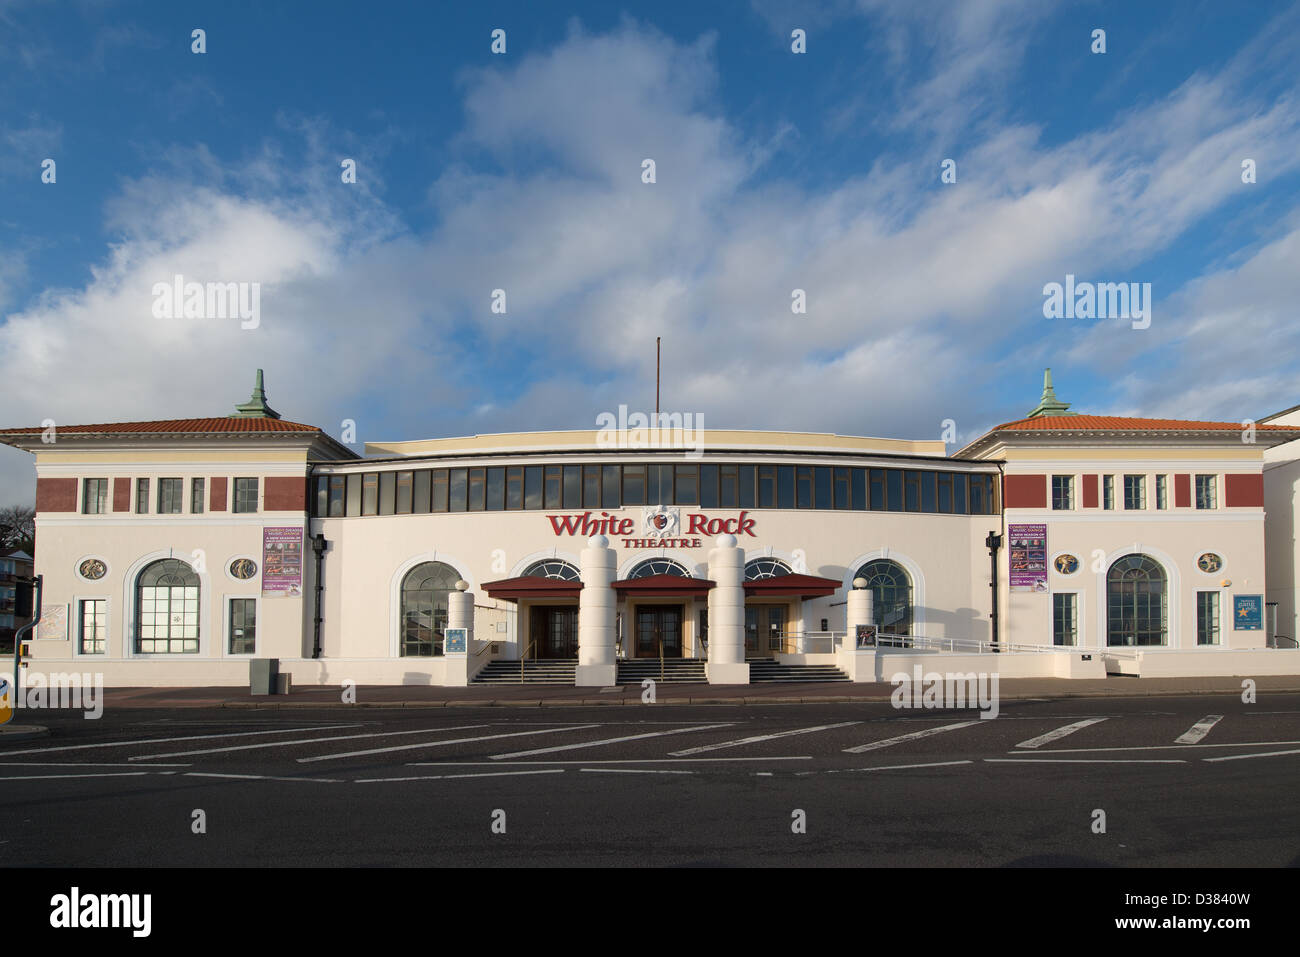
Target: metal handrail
524,657
977,646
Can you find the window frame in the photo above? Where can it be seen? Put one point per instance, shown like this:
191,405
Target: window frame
235,497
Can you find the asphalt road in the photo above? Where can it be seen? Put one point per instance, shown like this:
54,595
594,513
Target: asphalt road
663,785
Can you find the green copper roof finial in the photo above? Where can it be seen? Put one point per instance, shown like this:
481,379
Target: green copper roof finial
256,407
1049,404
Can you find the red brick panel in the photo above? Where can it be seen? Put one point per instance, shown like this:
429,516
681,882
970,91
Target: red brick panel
285,494
56,495
1182,491
1243,491
217,495
1090,491
1024,491
121,495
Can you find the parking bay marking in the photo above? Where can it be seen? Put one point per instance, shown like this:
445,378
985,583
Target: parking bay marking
1058,733
439,744
192,737
1170,747
593,744
759,737
1242,757
1199,730
912,736
448,777
281,744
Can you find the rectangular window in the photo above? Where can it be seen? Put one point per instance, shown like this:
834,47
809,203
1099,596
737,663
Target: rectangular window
1207,617
664,496
1062,492
245,495
573,486
785,486
321,507
767,486
981,495
1162,491
170,493
1135,491
1108,491
496,490
142,496
591,486
843,488
611,481
94,626
859,481
633,484
803,486
913,491
420,497
927,492
457,489
823,496
515,487
198,492
554,486
533,486
1064,618
709,485
477,489
1205,491
354,495
877,498
338,486
746,473
945,492
94,496
370,493
894,490
243,626
441,483
404,493
387,492
687,479
960,489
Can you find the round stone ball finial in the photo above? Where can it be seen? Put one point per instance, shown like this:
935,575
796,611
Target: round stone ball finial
462,585
725,541
859,583
598,541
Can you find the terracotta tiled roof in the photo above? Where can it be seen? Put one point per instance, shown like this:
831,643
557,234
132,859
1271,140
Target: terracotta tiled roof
217,424
1113,423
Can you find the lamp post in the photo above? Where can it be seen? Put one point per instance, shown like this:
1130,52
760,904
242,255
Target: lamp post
993,542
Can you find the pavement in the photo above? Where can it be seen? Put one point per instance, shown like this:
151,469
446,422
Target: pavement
425,696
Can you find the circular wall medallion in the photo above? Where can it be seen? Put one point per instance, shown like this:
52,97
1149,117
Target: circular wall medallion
1209,563
1066,564
92,569
243,568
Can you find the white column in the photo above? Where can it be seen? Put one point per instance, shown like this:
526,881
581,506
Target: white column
727,663
860,612
597,665
460,614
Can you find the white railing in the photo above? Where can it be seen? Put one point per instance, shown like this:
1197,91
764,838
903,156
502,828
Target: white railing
974,646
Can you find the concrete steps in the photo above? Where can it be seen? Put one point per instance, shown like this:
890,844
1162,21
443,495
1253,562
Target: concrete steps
540,671
768,669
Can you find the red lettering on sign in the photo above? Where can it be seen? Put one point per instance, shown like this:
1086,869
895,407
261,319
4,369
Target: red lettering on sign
746,525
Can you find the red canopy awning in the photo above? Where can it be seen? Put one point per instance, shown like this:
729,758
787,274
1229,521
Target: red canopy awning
672,585
792,585
532,586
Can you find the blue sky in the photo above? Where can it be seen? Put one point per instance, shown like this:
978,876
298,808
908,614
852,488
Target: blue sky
522,171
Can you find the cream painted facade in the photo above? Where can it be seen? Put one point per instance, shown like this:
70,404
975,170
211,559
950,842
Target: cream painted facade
378,545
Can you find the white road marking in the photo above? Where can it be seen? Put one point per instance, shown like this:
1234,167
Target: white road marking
441,744
1199,730
633,771
448,777
1242,757
902,767
1086,760
594,744
1058,733
1169,747
759,737
283,744
192,737
78,764
801,757
912,736
259,777
47,777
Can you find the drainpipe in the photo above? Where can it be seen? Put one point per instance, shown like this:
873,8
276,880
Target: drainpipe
318,547
993,542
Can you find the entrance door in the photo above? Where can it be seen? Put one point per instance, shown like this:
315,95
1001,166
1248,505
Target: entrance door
764,630
655,624
553,631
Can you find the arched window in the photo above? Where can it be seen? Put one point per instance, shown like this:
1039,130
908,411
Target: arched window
553,568
424,608
757,568
891,595
1135,602
167,609
659,566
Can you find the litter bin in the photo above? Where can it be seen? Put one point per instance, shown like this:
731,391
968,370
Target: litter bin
263,675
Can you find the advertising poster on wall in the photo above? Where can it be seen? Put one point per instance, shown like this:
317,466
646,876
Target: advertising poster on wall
1027,553
282,562
1247,612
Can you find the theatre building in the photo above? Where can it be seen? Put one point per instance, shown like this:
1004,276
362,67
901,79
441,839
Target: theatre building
174,552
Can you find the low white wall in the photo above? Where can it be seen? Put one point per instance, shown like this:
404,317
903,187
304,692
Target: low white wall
1211,663
882,664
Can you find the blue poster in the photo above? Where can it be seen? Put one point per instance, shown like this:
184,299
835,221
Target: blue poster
1247,612
455,641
